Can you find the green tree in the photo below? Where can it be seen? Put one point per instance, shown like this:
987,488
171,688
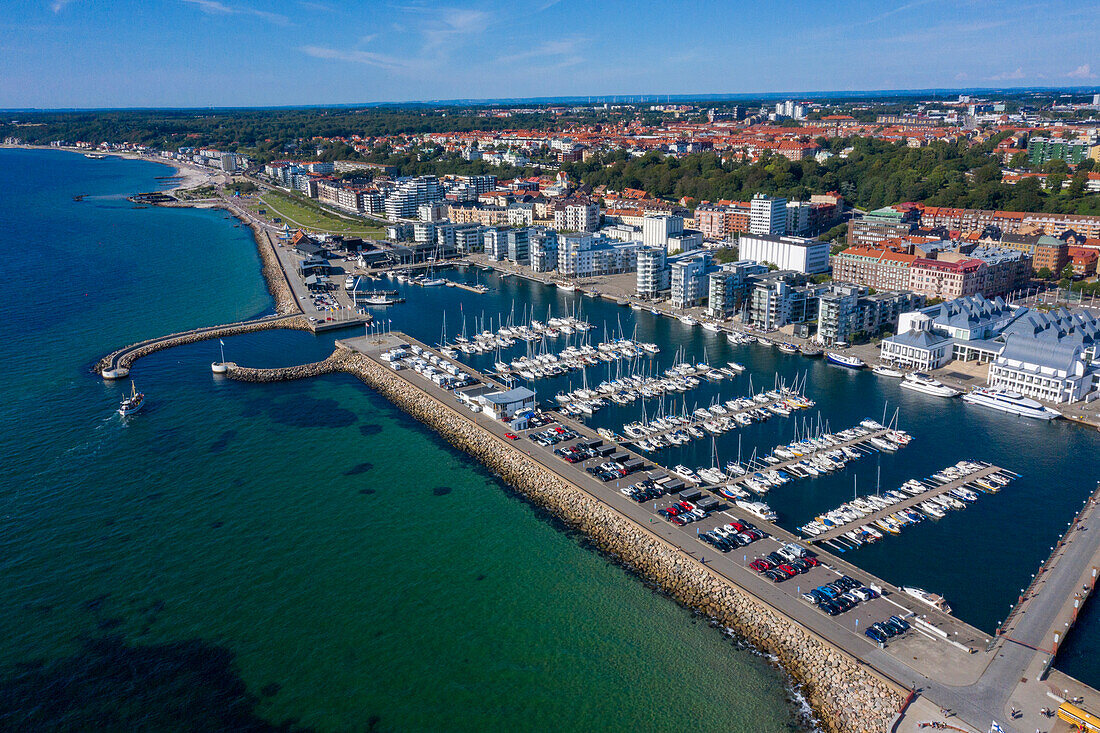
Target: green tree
1044,273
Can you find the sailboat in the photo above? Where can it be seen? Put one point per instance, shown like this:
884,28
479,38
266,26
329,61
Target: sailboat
133,403
220,367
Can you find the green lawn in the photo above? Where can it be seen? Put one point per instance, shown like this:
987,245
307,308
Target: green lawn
299,211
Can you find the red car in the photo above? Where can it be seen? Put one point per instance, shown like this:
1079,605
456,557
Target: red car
787,570
686,506
511,436
673,510
760,565
811,561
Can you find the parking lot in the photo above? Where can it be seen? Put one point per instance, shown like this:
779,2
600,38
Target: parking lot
721,531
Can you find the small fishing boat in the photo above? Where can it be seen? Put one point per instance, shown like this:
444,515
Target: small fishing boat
133,403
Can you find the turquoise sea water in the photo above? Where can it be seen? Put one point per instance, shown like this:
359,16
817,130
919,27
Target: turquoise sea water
239,556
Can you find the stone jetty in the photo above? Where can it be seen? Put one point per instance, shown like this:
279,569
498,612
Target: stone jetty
845,694
117,364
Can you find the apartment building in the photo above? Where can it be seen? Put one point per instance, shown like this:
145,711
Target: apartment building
653,273
688,281
1044,149
767,215
800,254
409,193
728,286
882,224
781,298
720,221
577,215
543,249
882,269
845,310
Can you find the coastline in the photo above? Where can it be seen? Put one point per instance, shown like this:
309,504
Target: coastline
190,176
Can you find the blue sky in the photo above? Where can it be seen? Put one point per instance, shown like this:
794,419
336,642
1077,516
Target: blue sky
91,53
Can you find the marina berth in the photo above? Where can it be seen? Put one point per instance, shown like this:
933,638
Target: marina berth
1013,403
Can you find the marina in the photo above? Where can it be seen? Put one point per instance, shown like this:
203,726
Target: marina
649,330
937,640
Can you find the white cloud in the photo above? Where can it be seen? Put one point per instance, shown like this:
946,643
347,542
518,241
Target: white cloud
213,7
960,76
1082,72
1008,75
58,5
369,58
559,47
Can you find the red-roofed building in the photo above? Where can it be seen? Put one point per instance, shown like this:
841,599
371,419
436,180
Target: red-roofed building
947,280
1083,260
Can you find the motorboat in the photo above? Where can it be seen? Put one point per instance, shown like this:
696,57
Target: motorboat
758,509
688,321
566,286
930,599
788,348
845,360
919,382
810,350
885,371
1011,402
712,327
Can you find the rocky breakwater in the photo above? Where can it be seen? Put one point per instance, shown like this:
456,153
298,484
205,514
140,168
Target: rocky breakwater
272,270
117,364
845,694
335,362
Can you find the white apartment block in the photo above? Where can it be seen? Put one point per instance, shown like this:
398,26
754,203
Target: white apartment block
800,254
767,215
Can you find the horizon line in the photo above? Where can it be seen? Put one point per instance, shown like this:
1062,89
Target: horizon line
649,98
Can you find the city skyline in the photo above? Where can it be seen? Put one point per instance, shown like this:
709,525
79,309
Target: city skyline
195,53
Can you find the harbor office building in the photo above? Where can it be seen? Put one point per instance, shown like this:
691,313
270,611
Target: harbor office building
513,406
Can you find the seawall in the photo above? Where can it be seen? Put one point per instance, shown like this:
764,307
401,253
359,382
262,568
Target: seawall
845,694
120,360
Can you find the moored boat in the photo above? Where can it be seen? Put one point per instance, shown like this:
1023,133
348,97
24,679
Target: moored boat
1011,402
930,599
919,382
845,360
885,371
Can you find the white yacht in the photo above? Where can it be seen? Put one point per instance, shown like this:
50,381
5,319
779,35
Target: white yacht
688,321
1010,402
711,326
931,599
758,509
885,371
920,382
